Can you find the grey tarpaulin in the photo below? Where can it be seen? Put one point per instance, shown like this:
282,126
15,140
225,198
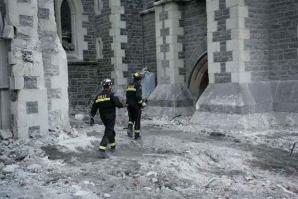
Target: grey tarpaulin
148,84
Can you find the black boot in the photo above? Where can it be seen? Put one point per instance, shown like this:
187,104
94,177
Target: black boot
113,149
102,154
138,136
129,130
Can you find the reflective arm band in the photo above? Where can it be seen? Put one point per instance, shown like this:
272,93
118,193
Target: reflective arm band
113,144
102,148
102,100
140,102
131,89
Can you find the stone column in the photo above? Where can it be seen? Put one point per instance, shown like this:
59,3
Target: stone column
171,97
55,66
118,39
29,113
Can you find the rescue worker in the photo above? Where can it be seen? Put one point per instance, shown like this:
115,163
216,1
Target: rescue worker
106,102
135,103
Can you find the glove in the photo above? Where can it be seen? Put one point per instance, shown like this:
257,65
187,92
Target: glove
91,121
144,104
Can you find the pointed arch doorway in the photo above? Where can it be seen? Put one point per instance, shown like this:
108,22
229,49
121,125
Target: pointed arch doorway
199,80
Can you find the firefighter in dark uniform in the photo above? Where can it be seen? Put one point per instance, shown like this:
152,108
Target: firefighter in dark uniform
106,103
135,103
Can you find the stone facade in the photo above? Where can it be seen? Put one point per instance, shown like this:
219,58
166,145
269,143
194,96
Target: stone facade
251,47
262,86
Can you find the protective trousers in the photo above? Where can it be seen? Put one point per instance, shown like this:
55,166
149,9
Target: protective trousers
134,114
109,134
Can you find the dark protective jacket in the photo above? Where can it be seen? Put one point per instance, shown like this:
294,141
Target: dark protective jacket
134,94
106,102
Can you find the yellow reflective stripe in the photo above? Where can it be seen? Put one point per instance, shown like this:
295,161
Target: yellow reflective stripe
102,147
131,89
130,122
141,101
102,100
137,131
113,144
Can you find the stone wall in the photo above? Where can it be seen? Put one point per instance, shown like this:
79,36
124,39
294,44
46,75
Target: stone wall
195,33
283,40
102,30
147,4
134,46
149,42
89,37
55,67
258,23
83,83
29,107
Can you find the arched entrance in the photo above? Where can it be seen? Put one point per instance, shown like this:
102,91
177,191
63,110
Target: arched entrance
199,79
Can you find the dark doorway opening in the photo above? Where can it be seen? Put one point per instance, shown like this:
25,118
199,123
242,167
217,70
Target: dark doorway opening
4,87
199,80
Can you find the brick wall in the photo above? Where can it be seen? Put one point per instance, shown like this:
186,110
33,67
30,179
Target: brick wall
273,39
134,32
149,41
102,27
259,25
283,40
147,4
84,77
88,8
83,83
195,33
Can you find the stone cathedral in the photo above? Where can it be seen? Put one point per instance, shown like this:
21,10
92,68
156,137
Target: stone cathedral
225,63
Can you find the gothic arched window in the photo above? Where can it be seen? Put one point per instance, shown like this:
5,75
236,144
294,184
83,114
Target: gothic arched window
69,19
66,29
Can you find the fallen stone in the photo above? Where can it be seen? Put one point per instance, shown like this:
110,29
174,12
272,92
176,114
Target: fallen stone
34,168
5,134
148,188
79,116
154,180
151,174
10,168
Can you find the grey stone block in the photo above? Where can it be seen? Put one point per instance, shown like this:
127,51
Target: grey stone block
27,56
222,78
164,48
32,107
43,13
30,82
54,93
163,15
164,32
26,20
223,56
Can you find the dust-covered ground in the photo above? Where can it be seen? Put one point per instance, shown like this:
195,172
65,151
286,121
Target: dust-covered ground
173,160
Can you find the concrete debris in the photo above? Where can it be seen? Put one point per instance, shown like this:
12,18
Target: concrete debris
10,168
175,160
